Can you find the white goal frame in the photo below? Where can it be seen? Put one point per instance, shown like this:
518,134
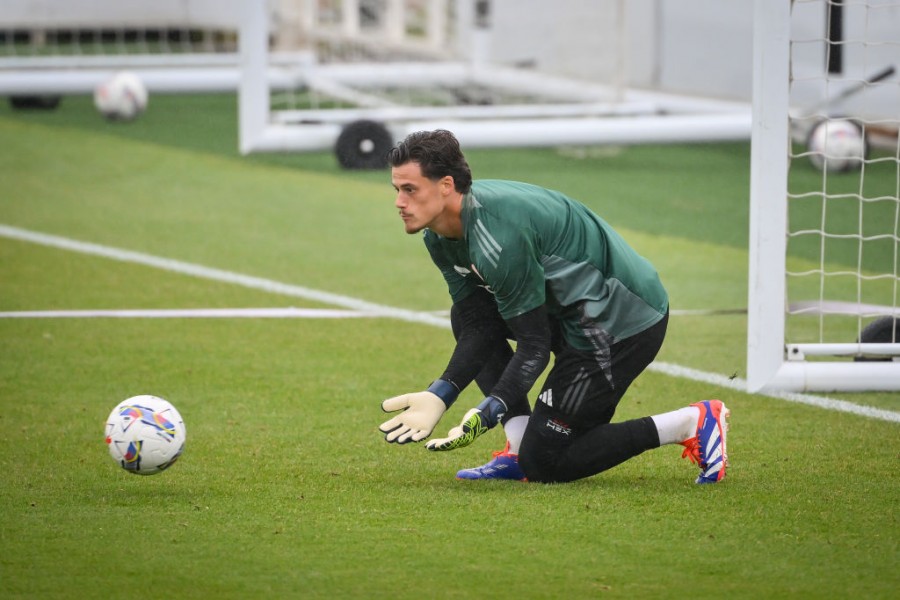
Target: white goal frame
771,365
582,113
634,117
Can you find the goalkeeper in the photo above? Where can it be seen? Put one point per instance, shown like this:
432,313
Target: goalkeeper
529,264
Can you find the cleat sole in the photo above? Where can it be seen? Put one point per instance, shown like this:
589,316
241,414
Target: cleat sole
726,413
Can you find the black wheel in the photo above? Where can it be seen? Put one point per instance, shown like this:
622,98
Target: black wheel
35,102
885,330
364,145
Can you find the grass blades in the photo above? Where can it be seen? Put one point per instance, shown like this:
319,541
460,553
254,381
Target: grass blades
287,489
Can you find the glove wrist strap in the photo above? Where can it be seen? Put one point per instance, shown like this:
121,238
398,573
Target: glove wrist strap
492,409
445,390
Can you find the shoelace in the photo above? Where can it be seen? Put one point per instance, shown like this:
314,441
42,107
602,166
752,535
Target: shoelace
691,449
504,452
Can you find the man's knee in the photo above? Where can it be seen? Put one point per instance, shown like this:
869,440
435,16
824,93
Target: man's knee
544,471
533,469
542,454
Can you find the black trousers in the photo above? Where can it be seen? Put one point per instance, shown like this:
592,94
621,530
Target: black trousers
569,435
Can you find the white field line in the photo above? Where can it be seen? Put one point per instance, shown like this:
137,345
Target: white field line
185,268
373,309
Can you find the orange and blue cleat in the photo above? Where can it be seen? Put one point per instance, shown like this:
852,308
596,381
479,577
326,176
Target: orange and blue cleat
707,449
503,466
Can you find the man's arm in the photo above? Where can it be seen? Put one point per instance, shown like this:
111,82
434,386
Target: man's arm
481,329
532,332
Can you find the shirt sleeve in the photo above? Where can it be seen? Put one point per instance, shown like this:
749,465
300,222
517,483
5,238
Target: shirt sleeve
480,331
533,339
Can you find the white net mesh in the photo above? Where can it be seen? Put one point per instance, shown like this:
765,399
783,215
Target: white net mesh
844,175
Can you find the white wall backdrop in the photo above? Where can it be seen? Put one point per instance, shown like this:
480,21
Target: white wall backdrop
687,46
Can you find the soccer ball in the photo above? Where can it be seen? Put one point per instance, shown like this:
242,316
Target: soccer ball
836,145
145,435
121,98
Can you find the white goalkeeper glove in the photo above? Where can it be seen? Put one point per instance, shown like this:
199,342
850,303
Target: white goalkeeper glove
421,412
474,423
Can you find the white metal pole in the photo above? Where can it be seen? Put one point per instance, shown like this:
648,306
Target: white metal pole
436,26
837,376
620,82
395,21
350,18
253,88
309,17
768,191
481,33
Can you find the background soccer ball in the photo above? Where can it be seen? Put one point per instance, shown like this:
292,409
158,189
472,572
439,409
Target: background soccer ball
837,145
121,98
145,434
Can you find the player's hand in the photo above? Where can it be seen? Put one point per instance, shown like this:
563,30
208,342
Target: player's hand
421,412
474,423
462,435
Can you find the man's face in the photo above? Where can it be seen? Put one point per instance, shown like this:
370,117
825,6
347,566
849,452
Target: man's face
421,201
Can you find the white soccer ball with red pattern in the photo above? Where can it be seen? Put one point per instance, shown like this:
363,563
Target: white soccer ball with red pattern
836,145
122,97
145,434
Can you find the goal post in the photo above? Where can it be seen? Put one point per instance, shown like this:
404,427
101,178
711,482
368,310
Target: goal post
768,184
818,344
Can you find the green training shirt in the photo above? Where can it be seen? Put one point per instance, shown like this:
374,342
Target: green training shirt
530,246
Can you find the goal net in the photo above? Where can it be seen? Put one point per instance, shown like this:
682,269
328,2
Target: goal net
824,288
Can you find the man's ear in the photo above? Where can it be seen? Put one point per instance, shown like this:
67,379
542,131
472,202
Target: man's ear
448,185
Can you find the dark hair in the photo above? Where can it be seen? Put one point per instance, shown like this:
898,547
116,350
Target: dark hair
438,155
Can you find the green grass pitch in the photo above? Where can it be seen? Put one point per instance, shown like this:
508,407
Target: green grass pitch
286,489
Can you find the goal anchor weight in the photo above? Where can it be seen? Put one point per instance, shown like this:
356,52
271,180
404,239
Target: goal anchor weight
885,330
363,144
